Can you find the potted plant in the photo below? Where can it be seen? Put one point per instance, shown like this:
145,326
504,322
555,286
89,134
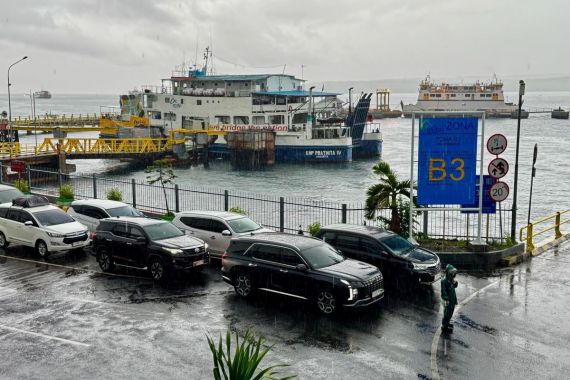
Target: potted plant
66,195
22,185
115,194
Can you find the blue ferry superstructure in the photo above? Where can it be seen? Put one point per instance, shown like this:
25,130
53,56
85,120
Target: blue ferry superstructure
300,118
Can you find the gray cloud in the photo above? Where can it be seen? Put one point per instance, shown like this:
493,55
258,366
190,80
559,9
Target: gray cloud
121,44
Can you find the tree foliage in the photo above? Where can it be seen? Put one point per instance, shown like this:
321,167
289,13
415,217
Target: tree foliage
161,172
386,195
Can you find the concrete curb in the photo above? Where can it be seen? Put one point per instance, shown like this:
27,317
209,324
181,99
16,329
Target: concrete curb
481,260
545,247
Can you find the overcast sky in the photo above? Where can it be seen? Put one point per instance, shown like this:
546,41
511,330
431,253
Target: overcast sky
96,46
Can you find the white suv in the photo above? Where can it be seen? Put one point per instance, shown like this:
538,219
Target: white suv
33,222
90,211
216,227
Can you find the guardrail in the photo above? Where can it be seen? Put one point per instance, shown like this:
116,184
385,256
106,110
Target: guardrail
530,229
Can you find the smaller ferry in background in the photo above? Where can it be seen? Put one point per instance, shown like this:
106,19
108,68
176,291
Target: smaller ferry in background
478,96
43,94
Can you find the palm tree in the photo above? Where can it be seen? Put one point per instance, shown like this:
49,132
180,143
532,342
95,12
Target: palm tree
386,194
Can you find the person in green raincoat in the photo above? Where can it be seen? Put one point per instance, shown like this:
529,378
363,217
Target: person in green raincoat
448,297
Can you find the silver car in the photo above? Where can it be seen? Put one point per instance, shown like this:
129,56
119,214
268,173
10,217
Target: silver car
216,227
90,211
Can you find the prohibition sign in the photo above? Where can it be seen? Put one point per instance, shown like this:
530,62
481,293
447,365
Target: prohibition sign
499,191
497,144
498,168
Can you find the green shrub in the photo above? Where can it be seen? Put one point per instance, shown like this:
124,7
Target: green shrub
313,228
244,363
22,185
238,210
66,192
115,194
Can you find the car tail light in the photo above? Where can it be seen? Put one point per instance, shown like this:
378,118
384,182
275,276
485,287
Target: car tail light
93,235
223,257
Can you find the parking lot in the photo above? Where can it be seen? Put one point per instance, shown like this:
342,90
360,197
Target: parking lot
64,319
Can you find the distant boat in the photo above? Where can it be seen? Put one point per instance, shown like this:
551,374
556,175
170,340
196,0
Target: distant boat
43,94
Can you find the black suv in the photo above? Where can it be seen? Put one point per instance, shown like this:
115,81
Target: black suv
397,258
151,244
300,267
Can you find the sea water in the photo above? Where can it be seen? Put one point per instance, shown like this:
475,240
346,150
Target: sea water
348,182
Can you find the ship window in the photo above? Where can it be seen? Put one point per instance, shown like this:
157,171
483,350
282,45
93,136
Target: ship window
241,120
453,95
198,102
438,95
169,116
276,119
166,100
467,95
258,120
181,101
222,119
431,95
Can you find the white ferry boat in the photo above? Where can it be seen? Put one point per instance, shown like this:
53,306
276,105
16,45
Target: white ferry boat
43,94
479,96
306,123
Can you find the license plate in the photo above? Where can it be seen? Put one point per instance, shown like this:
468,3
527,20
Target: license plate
199,262
76,243
377,293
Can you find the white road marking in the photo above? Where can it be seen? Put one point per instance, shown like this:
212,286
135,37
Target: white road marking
435,341
49,337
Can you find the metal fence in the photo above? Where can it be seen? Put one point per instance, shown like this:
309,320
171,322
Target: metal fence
286,214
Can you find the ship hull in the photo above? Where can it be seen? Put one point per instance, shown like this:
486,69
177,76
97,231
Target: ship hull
297,153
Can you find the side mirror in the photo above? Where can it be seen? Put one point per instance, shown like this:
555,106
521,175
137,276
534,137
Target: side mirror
384,253
226,233
301,267
141,239
29,223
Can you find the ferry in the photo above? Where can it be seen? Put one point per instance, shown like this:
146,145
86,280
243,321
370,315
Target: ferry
43,94
478,96
306,122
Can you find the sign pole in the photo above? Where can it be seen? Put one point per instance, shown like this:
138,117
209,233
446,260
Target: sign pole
481,153
532,180
411,237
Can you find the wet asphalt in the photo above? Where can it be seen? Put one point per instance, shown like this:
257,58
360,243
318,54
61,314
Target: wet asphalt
63,319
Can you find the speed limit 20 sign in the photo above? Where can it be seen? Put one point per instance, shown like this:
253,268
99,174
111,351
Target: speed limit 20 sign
499,191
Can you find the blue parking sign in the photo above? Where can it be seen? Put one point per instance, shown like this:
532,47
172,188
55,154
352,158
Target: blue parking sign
447,159
489,205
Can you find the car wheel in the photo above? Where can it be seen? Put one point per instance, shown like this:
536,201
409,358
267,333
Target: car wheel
242,284
3,242
326,301
41,248
157,270
105,261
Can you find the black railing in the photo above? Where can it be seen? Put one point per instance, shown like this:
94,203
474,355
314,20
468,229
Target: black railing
280,213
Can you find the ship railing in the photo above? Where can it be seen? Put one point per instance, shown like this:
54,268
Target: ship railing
156,89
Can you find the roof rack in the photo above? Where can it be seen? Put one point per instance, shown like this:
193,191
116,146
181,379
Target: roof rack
30,201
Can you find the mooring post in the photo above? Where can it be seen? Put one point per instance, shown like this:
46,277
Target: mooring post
281,214
176,198
94,186
226,200
134,192
343,215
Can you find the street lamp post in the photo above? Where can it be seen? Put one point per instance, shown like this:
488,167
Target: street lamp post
9,84
514,210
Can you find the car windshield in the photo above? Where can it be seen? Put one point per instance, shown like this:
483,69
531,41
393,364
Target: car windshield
242,225
323,255
398,245
52,217
161,231
124,211
6,196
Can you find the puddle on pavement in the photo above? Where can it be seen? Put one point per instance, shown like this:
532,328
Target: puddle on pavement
470,323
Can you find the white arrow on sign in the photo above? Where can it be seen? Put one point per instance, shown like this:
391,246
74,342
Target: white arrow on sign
499,191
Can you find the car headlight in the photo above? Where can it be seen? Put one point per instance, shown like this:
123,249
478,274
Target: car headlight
205,246
421,266
55,235
173,251
352,292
